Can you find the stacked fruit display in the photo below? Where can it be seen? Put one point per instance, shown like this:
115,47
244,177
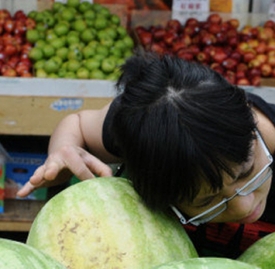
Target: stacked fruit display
14,49
242,56
78,40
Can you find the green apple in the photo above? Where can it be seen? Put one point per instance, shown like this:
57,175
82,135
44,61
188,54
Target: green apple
53,75
33,35
58,43
88,52
40,43
32,14
99,57
79,25
113,76
128,41
73,39
97,74
36,54
102,50
84,6
121,31
51,66
57,6
87,35
100,23
48,50
39,64
61,72
73,3
41,27
115,19
61,28
117,52
127,53
58,60
107,42
93,43
73,65
108,65
41,73
119,44
92,64
50,35
103,12
49,20
68,14
83,73
62,53
89,14
70,75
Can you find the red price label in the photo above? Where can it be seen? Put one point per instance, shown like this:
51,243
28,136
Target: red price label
191,5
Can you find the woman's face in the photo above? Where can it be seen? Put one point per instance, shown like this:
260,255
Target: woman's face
242,208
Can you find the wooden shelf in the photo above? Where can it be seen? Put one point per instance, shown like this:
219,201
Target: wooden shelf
19,214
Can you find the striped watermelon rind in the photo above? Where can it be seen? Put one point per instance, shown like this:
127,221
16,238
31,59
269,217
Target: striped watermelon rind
261,253
102,223
206,263
17,255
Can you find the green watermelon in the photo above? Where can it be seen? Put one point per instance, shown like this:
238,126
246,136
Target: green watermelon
17,255
261,253
102,223
206,263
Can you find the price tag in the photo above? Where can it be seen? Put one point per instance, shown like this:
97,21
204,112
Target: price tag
183,9
271,12
199,6
65,1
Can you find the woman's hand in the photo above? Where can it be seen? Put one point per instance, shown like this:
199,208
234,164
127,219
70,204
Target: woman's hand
61,165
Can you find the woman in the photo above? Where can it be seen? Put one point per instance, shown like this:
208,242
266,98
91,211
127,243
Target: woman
189,140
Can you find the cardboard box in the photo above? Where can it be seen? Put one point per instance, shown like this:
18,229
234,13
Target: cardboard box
18,173
2,182
34,106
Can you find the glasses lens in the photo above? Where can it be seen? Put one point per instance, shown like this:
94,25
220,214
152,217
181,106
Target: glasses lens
210,213
261,179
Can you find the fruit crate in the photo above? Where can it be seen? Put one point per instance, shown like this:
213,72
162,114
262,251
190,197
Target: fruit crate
33,106
150,32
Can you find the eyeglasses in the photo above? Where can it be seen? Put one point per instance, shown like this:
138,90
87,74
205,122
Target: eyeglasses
249,187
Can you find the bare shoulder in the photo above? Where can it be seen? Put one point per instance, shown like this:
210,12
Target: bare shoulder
91,124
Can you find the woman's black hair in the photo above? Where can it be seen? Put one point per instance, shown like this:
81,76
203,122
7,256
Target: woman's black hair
179,123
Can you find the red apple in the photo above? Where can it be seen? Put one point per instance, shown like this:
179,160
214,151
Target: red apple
217,67
255,81
243,81
261,48
248,56
203,57
218,55
266,70
192,22
230,64
270,24
9,25
254,63
235,23
236,55
158,34
156,47
252,72
214,28
174,24
185,55
230,76
242,66
214,18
